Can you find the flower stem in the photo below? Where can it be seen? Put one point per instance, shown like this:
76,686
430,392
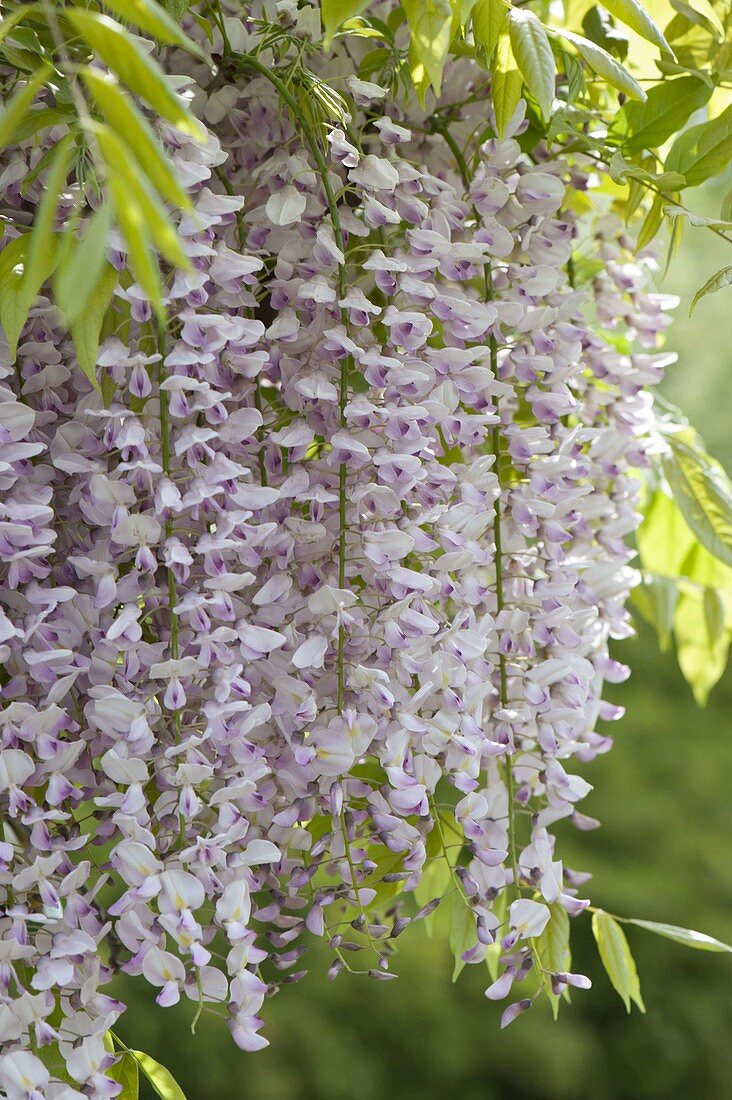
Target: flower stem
163,404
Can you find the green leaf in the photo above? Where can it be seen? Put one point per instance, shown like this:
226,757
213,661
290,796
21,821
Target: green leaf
700,12
534,56
127,1072
698,940
138,71
489,17
14,303
714,614
604,65
664,113
673,211
495,951
87,326
335,12
12,20
717,282
553,951
461,12
150,17
664,539
703,492
160,1078
656,600
123,173
14,111
462,930
177,8
131,125
38,119
651,224
506,84
429,28
701,660
726,209
702,151
82,263
617,959
42,242
635,16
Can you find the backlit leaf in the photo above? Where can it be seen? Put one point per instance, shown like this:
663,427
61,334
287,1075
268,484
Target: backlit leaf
703,492
462,930
617,959
160,1078
553,950
334,13
534,56
635,16
124,117
87,326
604,65
686,936
506,85
429,29
140,72
150,17
489,17
42,242
82,263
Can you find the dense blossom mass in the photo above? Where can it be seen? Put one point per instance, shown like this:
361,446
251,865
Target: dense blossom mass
305,622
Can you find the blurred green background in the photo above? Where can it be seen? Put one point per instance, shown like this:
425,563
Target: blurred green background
663,853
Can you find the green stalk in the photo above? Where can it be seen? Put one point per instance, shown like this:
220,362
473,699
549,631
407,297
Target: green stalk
442,128
250,62
163,402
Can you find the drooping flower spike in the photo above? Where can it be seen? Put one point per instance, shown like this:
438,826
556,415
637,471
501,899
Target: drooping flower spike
306,626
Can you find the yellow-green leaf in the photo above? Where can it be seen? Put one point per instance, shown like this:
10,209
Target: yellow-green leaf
127,1072
42,242
651,223
687,936
617,959
462,930
506,83
703,493
82,263
86,328
534,56
334,14
702,151
489,17
14,304
160,1078
124,117
139,72
601,62
429,29
122,171
635,16
151,18
553,951
12,20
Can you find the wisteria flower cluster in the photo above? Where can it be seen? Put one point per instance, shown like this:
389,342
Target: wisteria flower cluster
305,627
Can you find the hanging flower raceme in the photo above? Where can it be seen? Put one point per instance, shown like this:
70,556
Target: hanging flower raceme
305,627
